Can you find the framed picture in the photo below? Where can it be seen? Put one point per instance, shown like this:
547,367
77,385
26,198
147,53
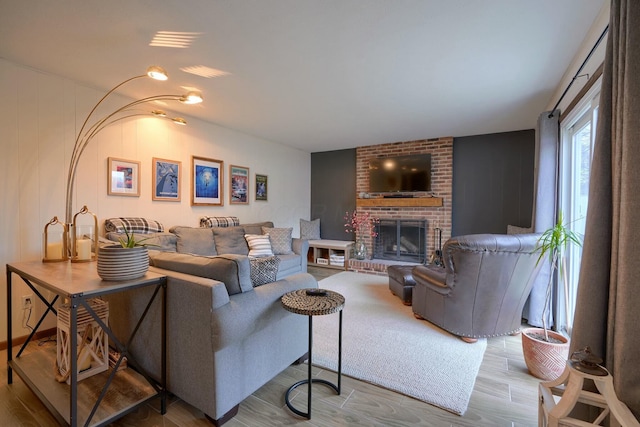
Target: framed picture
239,185
206,182
261,187
166,180
123,177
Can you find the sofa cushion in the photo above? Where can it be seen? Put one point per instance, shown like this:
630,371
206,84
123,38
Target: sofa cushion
259,245
264,270
192,240
230,240
280,239
310,230
219,221
158,241
232,270
289,261
257,227
133,224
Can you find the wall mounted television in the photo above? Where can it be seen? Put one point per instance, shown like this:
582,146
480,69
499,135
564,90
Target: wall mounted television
400,174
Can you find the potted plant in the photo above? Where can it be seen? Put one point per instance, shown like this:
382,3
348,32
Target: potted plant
127,260
545,352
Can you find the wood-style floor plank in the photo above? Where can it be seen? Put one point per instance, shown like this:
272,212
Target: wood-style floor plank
504,395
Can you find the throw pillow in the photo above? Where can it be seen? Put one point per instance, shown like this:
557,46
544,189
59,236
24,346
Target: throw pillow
280,240
264,270
259,245
230,240
133,224
514,229
219,221
310,230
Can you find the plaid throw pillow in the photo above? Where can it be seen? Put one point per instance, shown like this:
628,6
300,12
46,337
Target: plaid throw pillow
219,221
133,225
264,270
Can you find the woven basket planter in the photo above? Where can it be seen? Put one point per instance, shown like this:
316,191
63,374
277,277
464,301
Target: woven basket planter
116,263
545,360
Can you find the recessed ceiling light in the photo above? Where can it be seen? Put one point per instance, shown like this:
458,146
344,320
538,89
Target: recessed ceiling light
203,71
173,39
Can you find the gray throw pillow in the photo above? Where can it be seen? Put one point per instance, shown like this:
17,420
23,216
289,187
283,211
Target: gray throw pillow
280,240
310,230
230,240
191,240
264,270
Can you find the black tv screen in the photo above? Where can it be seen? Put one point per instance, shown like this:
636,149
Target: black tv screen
400,174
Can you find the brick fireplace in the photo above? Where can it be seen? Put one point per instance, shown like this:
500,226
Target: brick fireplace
441,150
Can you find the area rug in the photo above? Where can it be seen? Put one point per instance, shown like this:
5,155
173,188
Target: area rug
384,344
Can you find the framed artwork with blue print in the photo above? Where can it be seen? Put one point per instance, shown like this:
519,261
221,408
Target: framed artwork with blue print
207,176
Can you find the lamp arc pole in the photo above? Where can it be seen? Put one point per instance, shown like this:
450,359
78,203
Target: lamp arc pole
126,111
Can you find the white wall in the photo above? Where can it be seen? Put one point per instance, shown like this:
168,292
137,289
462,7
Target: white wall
39,117
596,29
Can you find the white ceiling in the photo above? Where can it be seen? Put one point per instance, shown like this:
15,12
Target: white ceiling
320,74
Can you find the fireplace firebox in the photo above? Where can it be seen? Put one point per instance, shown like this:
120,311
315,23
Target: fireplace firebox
401,240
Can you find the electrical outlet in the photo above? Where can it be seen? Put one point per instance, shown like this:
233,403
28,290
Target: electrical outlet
27,302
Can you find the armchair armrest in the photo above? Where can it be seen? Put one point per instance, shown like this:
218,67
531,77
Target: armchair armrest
435,278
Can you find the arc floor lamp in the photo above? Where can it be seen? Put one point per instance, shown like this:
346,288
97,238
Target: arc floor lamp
130,110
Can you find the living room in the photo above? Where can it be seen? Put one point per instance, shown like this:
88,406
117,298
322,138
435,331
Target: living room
43,107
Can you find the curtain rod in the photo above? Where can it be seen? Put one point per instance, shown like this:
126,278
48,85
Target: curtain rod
595,46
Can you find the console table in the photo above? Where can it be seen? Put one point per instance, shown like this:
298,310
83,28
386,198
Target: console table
72,404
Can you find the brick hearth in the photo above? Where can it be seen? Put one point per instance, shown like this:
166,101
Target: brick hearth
374,266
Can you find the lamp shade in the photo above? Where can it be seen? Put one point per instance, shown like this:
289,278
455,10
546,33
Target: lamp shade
157,72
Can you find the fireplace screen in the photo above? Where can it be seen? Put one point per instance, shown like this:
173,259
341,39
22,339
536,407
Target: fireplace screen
401,240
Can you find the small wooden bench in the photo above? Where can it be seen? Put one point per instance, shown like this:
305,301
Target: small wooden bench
330,253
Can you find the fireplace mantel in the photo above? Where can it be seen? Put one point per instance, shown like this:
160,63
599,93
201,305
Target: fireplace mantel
401,202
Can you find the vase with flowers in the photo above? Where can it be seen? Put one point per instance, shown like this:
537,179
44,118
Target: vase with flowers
363,225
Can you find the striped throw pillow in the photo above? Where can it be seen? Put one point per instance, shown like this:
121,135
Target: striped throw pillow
259,245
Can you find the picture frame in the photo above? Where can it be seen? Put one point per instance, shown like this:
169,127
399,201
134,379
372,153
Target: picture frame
238,185
262,187
166,180
123,177
207,177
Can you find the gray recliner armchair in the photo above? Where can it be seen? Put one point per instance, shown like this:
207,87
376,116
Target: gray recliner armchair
482,288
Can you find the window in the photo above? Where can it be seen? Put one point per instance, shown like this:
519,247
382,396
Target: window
576,144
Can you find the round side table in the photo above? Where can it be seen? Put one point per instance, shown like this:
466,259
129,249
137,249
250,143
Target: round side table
314,302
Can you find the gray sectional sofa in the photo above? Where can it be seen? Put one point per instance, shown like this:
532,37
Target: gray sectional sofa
225,337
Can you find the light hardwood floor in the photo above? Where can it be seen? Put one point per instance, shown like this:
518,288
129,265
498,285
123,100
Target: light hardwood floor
504,395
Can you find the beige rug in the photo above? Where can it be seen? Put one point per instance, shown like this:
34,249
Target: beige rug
383,344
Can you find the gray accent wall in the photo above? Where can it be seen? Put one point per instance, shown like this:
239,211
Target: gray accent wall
492,182
333,190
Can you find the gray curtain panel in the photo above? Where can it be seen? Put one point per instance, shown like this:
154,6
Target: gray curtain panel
608,305
544,206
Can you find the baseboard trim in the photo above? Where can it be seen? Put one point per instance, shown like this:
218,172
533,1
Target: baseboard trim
38,336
